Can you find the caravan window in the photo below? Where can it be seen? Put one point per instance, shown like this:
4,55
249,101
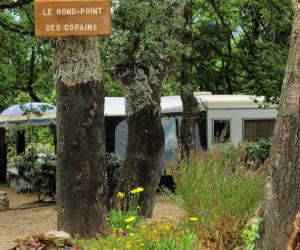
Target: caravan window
221,131
255,129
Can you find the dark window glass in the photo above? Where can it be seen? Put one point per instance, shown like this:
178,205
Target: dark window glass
221,131
255,129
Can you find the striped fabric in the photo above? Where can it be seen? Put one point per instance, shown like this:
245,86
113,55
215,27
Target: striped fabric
34,113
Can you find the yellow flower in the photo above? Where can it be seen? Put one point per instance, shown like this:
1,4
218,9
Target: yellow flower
137,190
130,219
194,219
120,195
131,234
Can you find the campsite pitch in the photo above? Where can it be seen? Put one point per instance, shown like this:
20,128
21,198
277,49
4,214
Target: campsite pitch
20,222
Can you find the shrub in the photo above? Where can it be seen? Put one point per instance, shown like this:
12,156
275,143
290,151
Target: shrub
39,172
113,164
258,152
215,187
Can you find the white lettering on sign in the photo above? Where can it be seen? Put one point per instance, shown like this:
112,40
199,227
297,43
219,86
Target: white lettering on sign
91,11
59,18
47,12
53,27
80,27
81,11
71,27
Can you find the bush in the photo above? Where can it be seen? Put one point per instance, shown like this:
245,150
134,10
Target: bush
215,187
258,152
113,165
39,172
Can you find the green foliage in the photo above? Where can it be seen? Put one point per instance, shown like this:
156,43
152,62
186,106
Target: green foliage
126,215
250,233
38,171
146,39
186,242
258,152
163,235
239,44
113,165
116,218
222,193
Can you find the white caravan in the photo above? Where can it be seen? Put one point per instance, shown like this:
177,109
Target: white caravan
222,118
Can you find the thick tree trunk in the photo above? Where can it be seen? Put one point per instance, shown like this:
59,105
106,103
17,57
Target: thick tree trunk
3,156
142,163
190,104
81,172
282,192
20,142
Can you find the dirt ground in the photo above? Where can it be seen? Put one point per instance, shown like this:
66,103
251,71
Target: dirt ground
20,222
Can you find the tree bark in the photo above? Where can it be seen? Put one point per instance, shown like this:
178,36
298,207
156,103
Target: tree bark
282,191
81,172
20,142
142,162
189,102
3,156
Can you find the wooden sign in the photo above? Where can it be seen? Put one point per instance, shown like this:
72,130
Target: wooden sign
59,18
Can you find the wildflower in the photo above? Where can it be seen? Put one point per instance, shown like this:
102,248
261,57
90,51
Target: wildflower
128,227
123,234
120,195
194,219
137,190
131,234
128,246
130,219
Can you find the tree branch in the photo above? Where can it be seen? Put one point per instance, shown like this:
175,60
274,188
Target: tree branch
14,27
15,4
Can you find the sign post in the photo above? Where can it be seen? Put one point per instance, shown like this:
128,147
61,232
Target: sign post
60,18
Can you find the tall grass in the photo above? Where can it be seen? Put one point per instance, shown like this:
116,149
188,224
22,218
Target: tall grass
215,187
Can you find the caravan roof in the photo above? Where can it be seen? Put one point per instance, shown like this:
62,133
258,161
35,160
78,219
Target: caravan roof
115,106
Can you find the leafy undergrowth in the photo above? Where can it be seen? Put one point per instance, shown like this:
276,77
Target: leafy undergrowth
216,189
219,189
164,235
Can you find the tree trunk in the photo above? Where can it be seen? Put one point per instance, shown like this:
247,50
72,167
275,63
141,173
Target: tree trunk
81,172
142,163
20,142
282,192
189,102
3,155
